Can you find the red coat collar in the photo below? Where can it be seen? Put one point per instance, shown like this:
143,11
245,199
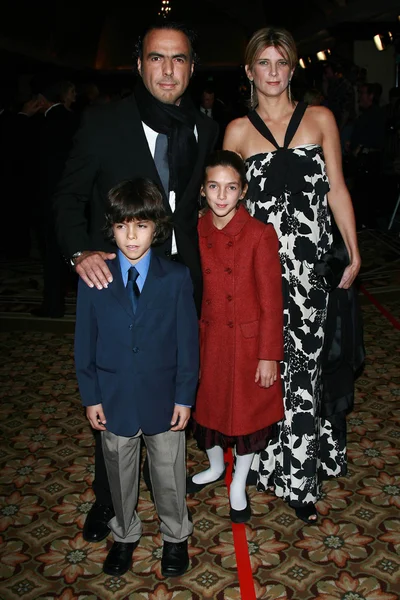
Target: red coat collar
234,227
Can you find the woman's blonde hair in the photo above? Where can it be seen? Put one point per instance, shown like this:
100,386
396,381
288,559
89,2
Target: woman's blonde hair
279,38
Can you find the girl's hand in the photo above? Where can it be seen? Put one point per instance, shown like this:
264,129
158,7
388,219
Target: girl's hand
266,373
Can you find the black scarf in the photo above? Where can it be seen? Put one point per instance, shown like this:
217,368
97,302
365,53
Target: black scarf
177,122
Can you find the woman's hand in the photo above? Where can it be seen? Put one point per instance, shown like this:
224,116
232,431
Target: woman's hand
349,275
266,373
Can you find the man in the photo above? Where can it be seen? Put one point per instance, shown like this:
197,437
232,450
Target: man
369,127
121,141
339,94
57,129
214,108
366,147
18,170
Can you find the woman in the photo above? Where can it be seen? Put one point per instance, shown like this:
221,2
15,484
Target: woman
293,159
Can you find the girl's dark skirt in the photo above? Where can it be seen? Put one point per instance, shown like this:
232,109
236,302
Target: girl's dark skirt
245,444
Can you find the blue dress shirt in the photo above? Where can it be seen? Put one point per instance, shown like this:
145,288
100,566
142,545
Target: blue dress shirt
142,267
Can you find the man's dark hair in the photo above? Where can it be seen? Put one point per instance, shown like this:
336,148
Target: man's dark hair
375,90
137,200
334,65
52,90
227,158
208,89
175,26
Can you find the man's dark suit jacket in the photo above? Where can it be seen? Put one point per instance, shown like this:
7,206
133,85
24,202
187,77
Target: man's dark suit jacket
138,366
57,130
110,147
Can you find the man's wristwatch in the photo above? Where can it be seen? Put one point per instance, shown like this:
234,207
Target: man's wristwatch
74,257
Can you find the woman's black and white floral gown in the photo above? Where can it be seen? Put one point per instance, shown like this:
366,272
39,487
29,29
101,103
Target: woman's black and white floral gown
288,188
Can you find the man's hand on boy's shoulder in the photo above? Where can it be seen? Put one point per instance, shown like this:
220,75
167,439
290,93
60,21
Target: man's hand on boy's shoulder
180,418
96,416
92,268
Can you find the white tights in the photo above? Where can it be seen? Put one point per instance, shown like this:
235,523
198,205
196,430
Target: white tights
237,494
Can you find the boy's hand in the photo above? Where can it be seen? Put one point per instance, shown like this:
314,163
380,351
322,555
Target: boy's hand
180,418
96,416
266,373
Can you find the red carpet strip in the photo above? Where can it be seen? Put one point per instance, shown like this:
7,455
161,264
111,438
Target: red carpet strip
245,575
381,308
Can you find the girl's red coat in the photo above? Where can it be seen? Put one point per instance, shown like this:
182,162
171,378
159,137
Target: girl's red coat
241,323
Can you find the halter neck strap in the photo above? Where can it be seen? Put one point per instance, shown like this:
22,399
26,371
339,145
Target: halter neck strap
294,123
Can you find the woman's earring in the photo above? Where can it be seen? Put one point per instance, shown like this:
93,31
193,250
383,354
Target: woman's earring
289,91
251,93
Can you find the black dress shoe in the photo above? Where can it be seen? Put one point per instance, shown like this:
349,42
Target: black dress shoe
175,559
119,559
241,516
192,487
96,526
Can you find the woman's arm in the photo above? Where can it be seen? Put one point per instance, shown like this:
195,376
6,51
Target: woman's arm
339,198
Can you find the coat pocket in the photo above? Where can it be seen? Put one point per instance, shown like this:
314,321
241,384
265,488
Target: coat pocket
250,330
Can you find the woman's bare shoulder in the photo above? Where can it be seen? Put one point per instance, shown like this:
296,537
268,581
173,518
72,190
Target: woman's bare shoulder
234,134
321,114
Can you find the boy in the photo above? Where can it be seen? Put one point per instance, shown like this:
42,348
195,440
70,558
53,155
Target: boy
136,354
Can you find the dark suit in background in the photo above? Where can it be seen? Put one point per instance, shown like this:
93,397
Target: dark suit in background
57,131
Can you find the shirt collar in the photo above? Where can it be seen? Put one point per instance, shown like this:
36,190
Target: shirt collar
52,106
142,266
234,227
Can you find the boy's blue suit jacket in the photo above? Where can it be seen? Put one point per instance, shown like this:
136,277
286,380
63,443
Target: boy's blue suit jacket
138,366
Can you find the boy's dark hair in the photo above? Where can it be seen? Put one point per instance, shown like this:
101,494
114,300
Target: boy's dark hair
137,200
165,24
226,158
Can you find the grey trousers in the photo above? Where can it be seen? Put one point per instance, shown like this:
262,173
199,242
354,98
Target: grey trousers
167,466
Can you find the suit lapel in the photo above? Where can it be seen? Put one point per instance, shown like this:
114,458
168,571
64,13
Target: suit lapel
117,287
205,128
151,285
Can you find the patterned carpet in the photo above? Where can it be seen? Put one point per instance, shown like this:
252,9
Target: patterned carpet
46,468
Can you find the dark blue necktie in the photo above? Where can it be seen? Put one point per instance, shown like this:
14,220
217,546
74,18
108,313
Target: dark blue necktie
133,288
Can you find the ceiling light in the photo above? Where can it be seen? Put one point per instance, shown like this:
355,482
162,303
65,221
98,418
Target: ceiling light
302,63
321,55
379,42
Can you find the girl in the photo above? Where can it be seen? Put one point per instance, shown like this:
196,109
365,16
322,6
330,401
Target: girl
240,396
